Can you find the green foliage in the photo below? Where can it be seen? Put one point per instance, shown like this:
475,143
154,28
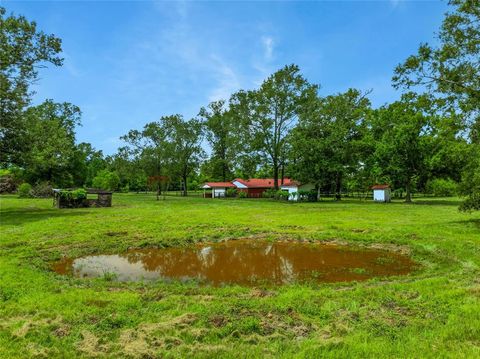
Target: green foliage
106,180
51,137
269,193
75,195
269,114
7,183
282,195
307,196
242,194
450,69
442,187
402,133
222,133
328,143
470,185
472,203
231,192
25,190
42,190
23,50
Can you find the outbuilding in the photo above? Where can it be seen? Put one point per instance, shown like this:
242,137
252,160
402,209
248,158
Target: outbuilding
219,189
254,187
295,187
381,193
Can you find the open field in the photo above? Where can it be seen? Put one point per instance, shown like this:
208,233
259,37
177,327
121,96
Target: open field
434,312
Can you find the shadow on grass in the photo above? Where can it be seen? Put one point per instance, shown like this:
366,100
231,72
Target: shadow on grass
473,221
27,215
430,202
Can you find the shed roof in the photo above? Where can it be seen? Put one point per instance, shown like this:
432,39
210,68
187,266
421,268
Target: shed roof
218,185
380,186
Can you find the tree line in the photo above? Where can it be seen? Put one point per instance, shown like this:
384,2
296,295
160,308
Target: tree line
428,140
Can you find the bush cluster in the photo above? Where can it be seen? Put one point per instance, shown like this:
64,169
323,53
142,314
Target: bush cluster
25,190
242,194
442,187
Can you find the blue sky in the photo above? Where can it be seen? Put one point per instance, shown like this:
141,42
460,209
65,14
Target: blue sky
128,63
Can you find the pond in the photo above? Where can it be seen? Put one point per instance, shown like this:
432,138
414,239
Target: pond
244,262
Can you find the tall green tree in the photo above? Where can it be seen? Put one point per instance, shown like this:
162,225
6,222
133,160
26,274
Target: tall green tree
403,136
185,139
268,114
151,148
451,69
328,141
86,163
221,131
23,51
50,133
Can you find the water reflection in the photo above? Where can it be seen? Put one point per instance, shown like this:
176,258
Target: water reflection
245,262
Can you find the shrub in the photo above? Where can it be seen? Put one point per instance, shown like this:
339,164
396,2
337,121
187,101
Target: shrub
231,192
282,195
76,194
269,193
106,180
42,190
398,193
25,190
242,194
472,203
307,196
442,187
7,183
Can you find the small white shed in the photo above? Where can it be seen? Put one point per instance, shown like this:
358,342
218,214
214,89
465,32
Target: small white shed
293,188
381,193
219,189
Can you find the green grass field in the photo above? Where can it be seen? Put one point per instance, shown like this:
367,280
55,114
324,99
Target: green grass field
434,312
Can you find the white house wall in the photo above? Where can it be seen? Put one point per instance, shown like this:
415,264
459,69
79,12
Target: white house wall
379,195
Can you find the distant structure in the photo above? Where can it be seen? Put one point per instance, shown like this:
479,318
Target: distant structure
219,189
255,187
381,193
66,199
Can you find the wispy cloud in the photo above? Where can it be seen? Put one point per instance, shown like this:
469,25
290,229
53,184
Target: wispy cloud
227,80
268,46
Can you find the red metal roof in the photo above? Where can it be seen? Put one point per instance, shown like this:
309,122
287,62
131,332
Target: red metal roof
263,182
220,184
380,186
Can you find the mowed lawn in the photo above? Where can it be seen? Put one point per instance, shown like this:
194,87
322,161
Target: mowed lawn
433,312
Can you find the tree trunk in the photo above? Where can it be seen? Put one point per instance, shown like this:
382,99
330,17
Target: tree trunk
185,193
408,195
275,175
338,186
283,173
158,190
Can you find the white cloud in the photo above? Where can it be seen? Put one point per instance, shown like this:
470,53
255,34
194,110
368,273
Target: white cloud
268,47
227,80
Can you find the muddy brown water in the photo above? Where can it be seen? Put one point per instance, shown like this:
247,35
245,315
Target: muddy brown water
244,262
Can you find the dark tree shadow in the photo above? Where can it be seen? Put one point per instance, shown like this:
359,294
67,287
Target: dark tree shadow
17,217
472,221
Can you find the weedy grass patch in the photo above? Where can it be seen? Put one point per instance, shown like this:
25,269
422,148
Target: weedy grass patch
432,312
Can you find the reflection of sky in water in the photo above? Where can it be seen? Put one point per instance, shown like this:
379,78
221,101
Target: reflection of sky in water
246,262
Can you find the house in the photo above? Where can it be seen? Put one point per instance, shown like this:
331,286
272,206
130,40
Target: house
255,187
219,189
381,192
293,187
